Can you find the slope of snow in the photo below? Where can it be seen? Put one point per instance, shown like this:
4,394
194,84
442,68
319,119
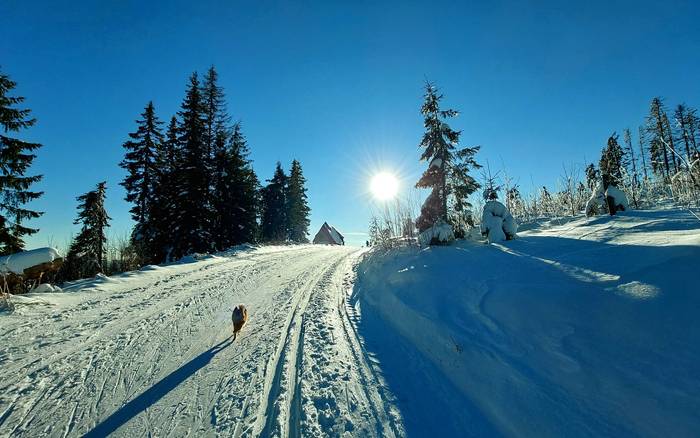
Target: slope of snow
149,353
589,328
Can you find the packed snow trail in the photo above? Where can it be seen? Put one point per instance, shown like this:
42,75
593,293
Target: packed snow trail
150,353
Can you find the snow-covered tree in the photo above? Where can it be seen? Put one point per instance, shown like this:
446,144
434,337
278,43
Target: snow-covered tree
141,161
659,135
87,253
448,167
611,163
297,205
16,156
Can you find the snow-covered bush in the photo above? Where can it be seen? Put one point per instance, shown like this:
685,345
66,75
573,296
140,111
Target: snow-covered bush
439,234
596,203
619,198
497,224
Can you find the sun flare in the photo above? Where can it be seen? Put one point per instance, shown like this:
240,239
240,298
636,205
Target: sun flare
384,186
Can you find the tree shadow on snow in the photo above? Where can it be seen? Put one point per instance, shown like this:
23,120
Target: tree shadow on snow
156,392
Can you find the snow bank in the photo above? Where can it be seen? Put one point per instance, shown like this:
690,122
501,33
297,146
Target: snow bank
17,263
497,224
45,287
593,332
440,233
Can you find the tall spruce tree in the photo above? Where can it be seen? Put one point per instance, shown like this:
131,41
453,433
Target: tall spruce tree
297,205
87,253
241,192
193,218
141,161
216,136
274,217
448,169
612,163
165,207
658,138
642,153
16,156
592,176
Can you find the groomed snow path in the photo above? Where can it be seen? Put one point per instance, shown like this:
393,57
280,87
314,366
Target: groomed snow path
150,353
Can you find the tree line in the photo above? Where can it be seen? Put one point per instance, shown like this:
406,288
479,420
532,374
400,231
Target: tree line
191,186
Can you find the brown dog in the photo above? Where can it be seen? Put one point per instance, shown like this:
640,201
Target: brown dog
239,316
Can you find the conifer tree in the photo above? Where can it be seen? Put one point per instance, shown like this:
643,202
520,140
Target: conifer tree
592,176
274,220
165,207
238,194
297,205
611,163
246,186
642,153
16,156
193,218
683,118
141,161
87,253
656,128
216,136
448,169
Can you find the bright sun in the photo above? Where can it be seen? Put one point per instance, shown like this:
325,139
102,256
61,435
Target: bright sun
384,186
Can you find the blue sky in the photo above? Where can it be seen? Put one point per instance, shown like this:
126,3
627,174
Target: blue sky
338,85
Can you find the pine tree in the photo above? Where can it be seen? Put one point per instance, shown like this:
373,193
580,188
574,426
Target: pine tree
274,220
165,206
216,136
611,163
592,176
193,219
633,180
16,156
448,169
656,128
641,152
141,161
87,253
297,205
238,193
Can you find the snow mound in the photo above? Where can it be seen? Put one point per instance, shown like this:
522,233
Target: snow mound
440,233
46,287
497,224
17,263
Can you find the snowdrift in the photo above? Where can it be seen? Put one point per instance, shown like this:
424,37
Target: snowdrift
439,234
589,328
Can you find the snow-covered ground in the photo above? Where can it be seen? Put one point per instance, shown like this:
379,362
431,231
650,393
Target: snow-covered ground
149,353
583,328
587,328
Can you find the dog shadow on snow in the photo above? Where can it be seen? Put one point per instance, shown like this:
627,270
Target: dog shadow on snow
157,391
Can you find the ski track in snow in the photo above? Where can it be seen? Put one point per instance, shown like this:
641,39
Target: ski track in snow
150,354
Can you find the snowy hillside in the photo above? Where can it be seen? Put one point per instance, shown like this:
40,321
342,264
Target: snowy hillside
588,328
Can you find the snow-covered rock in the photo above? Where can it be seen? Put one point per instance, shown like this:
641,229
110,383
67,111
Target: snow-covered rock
17,263
497,224
440,233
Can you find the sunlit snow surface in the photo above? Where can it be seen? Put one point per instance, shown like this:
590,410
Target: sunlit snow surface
586,328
